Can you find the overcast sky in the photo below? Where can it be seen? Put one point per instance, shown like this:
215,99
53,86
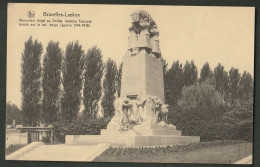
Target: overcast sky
202,34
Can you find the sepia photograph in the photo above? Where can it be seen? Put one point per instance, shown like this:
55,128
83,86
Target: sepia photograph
130,83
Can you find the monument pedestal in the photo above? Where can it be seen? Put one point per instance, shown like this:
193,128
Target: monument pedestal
142,75
140,112
154,136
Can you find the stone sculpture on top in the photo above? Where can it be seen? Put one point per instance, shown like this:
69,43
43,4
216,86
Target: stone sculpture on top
143,35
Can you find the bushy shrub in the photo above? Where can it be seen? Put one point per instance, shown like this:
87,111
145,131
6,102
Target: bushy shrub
239,119
194,123
46,139
202,112
199,112
60,128
91,126
13,147
13,113
202,96
81,126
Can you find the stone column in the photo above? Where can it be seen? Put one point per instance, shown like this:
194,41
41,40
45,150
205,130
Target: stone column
51,136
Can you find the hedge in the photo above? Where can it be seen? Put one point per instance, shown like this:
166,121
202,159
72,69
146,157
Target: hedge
80,126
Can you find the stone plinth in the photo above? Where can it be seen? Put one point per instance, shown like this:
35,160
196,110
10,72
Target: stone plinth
123,140
152,136
151,132
142,75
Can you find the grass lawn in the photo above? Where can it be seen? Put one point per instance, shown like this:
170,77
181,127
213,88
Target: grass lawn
217,152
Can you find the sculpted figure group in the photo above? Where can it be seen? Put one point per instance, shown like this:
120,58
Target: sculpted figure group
129,113
143,111
143,35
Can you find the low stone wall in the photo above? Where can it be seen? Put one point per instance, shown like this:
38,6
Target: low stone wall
10,131
13,137
19,153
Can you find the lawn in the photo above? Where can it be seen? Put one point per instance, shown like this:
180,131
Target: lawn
217,152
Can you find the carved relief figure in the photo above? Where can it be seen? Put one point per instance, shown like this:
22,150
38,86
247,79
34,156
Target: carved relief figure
134,31
158,108
116,121
140,109
139,35
144,39
155,108
132,39
155,45
125,109
162,116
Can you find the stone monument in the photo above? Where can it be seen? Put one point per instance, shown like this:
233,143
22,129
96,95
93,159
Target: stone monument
140,113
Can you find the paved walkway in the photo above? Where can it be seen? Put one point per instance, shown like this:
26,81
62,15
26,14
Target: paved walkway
246,160
64,152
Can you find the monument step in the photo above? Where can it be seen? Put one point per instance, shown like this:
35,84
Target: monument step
61,152
152,126
51,157
96,139
160,132
64,152
151,132
125,140
116,132
156,126
70,149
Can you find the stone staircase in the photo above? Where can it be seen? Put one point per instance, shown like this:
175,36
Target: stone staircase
63,152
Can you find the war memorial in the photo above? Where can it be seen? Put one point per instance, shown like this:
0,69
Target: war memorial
141,113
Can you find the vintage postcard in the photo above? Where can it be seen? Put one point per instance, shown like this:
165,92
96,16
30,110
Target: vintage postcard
130,83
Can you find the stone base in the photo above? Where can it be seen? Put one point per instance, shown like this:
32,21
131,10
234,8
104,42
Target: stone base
123,140
150,132
150,135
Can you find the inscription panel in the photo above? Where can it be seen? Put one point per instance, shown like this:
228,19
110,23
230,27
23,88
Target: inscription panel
142,75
